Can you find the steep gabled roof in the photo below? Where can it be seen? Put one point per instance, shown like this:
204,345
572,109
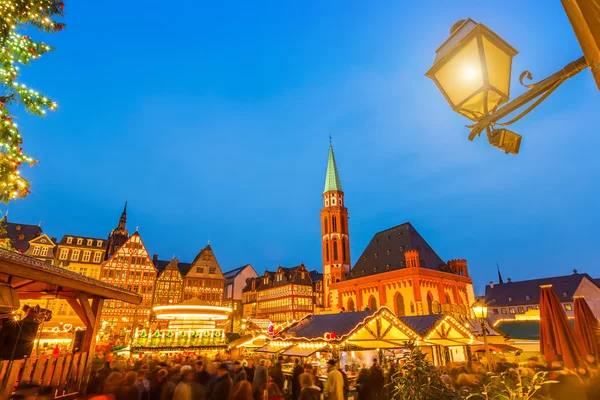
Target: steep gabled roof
19,234
528,292
63,241
315,326
235,272
205,259
386,250
422,324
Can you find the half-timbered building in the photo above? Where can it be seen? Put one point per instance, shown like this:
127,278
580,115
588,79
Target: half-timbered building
131,268
281,296
169,284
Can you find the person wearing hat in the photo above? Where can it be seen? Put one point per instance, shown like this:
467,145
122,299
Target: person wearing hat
239,373
222,388
334,386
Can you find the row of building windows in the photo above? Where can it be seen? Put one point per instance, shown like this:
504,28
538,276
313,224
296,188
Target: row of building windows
75,253
523,309
169,285
40,251
211,270
204,283
170,274
122,274
89,242
210,297
132,260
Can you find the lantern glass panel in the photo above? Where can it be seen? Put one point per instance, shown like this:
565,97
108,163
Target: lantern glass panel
498,64
461,76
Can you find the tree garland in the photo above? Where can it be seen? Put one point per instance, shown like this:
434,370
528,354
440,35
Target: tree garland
20,49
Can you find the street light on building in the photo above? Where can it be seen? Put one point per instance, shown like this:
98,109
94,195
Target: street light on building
472,69
480,310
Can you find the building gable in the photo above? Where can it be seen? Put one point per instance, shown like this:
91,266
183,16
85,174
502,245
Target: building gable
205,266
132,252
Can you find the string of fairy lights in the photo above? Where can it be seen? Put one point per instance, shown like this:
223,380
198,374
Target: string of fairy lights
20,49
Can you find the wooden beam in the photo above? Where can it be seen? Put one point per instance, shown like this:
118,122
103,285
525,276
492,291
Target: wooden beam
24,267
85,304
79,311
89,341
23,283
584,16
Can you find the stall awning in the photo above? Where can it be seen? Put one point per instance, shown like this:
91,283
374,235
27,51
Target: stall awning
440,330
248,341
497,347
297,351
269,348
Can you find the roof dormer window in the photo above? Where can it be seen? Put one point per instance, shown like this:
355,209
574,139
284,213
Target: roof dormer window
565,294
266,281
527,297
79,241
510,299
90,242
69,240
99,243
18,227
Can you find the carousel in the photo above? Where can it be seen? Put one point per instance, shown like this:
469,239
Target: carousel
192,326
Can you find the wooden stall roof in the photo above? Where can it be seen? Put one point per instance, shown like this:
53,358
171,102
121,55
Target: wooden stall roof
35,279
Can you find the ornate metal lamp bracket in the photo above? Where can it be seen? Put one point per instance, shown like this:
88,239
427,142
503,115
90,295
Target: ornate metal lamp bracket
540,91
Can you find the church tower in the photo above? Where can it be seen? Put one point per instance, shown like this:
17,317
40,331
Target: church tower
334,229
119,235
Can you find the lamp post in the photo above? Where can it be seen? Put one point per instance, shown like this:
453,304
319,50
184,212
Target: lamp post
472,69
480,310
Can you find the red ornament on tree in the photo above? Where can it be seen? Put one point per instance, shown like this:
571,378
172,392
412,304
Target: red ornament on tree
61,5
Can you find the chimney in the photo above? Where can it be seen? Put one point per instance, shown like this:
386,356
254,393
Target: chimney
154,258
509,280
491,285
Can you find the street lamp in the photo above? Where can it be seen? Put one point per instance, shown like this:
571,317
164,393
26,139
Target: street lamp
480,310
472,69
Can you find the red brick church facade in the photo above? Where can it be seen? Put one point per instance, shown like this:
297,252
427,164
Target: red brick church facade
398,268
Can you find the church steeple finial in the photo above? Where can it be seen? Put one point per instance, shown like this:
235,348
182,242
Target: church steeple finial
332,178
500,280
123,219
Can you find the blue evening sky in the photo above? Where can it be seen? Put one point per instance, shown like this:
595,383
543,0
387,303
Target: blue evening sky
212,119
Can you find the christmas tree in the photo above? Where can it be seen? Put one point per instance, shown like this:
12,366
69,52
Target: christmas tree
15,49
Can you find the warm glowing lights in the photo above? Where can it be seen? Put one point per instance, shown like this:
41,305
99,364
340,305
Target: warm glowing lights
470,73
20,49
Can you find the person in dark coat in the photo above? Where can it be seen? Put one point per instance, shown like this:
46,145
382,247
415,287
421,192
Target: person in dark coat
277,374
377,381
202,376
239,373
260,380
298,370
362,384
222,388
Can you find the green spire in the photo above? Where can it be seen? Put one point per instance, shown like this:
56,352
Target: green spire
332,179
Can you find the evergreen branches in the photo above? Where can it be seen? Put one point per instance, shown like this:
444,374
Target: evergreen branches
20,49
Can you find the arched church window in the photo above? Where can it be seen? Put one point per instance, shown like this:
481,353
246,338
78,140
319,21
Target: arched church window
344,257
448,299
325,227
335,250
327,250
412,308
333,224
429,303
400,311
351,305
372,303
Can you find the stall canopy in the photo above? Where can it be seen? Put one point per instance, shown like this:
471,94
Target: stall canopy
379,329
440,329
366,330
